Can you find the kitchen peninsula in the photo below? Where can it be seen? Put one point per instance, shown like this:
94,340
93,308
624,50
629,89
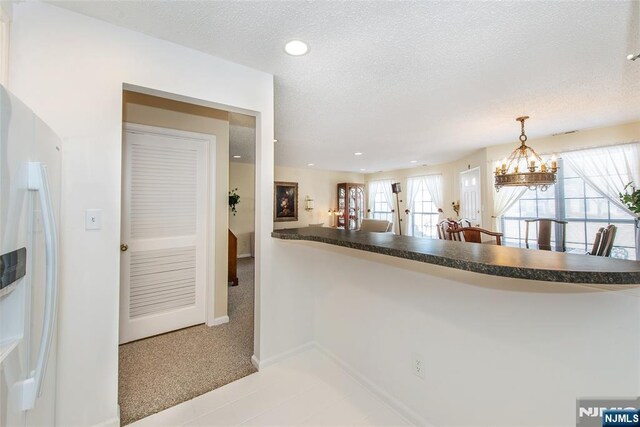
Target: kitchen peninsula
485,322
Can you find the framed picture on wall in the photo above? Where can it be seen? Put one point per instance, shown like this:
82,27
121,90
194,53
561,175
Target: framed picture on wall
285,206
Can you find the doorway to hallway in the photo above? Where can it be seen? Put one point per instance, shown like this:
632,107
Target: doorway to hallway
179,361
165,370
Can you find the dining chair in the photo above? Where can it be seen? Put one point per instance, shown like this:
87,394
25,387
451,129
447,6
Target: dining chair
603,243
544,233
375,225
443,226
472,234
464,223
446,224
596,242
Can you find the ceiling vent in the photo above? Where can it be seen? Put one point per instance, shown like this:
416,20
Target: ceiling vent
565,133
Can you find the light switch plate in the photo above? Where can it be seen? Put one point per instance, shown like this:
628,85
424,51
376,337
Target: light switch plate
93,219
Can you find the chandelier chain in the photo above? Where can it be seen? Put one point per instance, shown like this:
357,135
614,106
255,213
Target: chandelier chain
523,137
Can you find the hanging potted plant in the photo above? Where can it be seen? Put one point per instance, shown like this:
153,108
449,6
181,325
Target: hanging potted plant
234,199
631,199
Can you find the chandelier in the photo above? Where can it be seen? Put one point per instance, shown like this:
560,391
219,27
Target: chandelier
525,168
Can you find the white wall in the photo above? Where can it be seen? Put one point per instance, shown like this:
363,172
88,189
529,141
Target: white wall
587,138
450,184
70,70
242,224
6,13
320,185
496,351
287,311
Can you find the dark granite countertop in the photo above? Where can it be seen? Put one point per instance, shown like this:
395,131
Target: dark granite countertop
480,258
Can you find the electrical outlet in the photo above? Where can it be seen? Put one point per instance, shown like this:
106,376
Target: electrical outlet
418,366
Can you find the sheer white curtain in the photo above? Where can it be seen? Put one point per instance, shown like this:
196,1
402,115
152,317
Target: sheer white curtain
374,188
434,186
414,185
504,199
388,193
388,197
608,169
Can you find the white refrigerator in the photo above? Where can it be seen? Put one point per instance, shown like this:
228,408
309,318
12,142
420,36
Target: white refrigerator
29,213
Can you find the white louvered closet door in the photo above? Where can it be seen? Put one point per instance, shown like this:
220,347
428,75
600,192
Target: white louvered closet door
163,264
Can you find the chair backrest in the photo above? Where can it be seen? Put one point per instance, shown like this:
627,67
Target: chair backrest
472,234
455,234
445,225
544,233
375,225
464,223
320,224
442,227
606,243
596,242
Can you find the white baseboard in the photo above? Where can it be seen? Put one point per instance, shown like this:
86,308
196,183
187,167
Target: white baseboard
260,364
255,362
397,405
244,256
219,321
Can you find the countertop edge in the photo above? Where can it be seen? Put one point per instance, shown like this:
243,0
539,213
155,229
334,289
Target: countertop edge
527,273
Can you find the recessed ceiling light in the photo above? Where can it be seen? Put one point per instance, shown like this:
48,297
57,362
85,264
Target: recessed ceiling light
413,161
275,140
310,164
296,48
237,157
357,154
362,169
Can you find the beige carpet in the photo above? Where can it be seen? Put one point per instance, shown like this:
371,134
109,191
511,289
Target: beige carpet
162,371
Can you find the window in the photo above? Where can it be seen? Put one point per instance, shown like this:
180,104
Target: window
573,200
380,207
424,212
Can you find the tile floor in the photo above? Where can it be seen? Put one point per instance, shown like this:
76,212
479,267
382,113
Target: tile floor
307,389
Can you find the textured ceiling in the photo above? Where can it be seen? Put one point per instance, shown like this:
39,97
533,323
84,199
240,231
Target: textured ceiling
242,138
401,81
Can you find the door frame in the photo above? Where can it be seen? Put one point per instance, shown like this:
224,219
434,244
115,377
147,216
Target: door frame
480,206
209,228
264,150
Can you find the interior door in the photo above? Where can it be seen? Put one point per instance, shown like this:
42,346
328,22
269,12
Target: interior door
470,201
164,210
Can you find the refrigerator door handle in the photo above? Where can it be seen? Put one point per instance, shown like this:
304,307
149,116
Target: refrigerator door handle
32,386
